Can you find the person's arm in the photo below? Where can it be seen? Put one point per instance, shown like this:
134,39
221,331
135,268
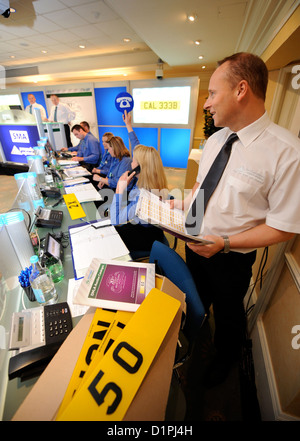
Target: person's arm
134,141
93,152
121,211
183,204
260,236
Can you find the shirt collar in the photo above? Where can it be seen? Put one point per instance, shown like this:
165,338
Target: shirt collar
249,133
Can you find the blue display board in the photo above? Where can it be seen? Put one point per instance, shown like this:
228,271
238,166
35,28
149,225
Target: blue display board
18,141
174,147
107,114
39,96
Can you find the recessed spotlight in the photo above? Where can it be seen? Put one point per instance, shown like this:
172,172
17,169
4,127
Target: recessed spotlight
200,57
192,17
44,52
203,67
12,56
82,46
197,42
126,40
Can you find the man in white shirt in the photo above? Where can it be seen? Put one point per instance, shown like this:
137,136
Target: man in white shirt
33,104
255,204
61,112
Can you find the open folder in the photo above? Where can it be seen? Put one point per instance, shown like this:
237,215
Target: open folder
95,239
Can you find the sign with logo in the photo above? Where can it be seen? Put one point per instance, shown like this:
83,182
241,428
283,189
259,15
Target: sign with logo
18,141
124,101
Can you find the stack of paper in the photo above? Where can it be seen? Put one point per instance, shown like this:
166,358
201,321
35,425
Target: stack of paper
74,181
76,171
88,242
84,192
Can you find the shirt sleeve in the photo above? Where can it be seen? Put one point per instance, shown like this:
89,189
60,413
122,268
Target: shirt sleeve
121,211
93,154
122,167
134,141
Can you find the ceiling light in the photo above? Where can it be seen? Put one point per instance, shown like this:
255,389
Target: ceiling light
192,17
44,52
126,40
200,57
81,46
12,56
203,67
197,42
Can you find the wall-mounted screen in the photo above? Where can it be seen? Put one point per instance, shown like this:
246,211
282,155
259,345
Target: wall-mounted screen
18,141
9,100
161,105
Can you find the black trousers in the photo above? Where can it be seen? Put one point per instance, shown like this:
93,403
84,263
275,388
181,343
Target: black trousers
138,237
222,281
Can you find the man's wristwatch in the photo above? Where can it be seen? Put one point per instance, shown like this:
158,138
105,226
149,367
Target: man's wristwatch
226,248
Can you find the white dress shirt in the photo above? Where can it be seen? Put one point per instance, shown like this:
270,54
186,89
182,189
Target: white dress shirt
39,106
260,184
64,113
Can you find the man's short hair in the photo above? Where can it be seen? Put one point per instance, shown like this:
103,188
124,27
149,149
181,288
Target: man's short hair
77,127
249,67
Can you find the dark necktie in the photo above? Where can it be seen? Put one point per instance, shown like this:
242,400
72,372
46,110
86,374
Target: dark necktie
55,114
30,111
194,217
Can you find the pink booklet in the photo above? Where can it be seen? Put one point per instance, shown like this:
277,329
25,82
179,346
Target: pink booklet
116,284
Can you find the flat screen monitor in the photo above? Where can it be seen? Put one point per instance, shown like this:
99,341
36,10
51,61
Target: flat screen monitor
18,141
161,105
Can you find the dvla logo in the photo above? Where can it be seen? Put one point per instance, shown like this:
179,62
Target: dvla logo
19,136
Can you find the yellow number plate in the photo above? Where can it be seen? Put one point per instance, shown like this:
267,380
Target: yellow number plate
108,388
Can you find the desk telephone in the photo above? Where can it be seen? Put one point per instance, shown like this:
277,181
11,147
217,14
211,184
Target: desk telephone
48,218
37,334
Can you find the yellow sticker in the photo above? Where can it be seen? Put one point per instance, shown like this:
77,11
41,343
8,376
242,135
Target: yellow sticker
108,391
75,209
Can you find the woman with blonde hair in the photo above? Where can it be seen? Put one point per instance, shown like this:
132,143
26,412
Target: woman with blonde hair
137,234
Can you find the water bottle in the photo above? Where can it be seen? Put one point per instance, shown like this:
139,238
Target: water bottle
48,176
42,284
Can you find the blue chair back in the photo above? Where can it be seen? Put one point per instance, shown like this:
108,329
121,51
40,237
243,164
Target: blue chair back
172,266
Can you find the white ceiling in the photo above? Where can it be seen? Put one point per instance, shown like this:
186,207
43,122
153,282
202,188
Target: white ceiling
156,29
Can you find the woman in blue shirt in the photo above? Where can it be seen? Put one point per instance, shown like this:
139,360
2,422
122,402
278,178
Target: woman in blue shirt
121,162
136,234
104,166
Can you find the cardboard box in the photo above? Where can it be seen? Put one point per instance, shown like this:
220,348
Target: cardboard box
149,404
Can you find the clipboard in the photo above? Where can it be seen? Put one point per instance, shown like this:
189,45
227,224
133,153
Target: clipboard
96,242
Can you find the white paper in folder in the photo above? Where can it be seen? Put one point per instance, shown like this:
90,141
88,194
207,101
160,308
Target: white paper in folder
88,242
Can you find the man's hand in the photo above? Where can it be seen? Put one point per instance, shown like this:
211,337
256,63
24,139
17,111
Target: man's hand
77,158
208,250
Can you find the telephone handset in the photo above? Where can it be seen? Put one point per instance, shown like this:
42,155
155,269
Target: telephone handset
136,169
37,334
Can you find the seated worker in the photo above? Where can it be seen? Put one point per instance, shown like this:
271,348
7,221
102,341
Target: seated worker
136,234
121,162
105,163
88,150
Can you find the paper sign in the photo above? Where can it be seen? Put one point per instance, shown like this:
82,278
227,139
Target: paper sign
75,209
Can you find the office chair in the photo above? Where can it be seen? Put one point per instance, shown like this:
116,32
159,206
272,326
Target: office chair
171,265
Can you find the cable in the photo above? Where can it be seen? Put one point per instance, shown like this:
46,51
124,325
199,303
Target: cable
259,277
29,217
